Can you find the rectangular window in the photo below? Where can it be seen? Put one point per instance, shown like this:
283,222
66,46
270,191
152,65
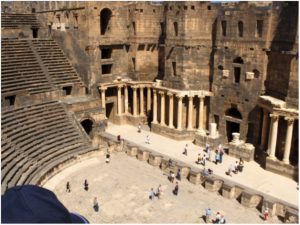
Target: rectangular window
67,90
10,100
259,28
237,75
176,29
174,68
241,28
217,118
133,63
106,69
133,27
223,25
106,53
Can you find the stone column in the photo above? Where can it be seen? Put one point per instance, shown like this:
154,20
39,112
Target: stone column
103,103
201,112
171,109
142,101
162,108
134,101
154,107
179,115
288,140
126,99
264,130
190,116
119,100
148,99
273,136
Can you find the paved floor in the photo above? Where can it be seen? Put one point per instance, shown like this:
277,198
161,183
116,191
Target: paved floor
253,175
122,189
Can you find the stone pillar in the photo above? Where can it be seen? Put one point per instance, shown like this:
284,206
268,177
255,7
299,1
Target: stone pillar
119,103
213,130
236,138
142,101
190,116
288,140
154,107
126,99
179,114
273,136
264,130
134,101
148,99
103,103
171,109
201,112
162,108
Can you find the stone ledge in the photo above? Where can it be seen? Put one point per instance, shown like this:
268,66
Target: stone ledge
173,133
281,168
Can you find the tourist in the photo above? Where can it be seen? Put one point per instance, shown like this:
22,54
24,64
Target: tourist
266,213
152,194
222,219
172,176
178,176
205,172
236,165
199,159
107,157
218,218
86,185
96,205
185,150
176,189
147,139
139,128
203,159
241,165
208,154
170,163
221,152
68,188
119,138
230,170
158,191
217,157
207,215
206,147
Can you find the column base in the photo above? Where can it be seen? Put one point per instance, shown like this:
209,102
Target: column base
286,161
272,157
171,127
201,132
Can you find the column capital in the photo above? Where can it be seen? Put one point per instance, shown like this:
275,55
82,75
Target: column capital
161,92
134,87
170,94
120,86
179,97
274,116
201,96
103,88
265,110
191,97
141,86
154,91
290,120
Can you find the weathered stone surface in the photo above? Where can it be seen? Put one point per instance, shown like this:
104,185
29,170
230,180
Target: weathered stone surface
155,159
251,200
213,184
143,155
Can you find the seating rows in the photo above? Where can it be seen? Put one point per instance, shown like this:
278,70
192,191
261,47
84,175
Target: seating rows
17,20
36,138
20,69
53,58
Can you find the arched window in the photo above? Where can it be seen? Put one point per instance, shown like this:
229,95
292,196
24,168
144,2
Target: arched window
175,28
233,112
105,17
87,125
241,28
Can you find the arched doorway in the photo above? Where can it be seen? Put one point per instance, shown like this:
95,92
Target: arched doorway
87,125
105,16
233,119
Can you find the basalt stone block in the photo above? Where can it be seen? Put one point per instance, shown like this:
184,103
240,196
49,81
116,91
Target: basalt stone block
196,177
228,190
143,155
251,200
212,184
280,210
164,163
132,151
155,159
238,192
184,170
291,216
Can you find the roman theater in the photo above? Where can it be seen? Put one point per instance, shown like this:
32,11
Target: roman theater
142,82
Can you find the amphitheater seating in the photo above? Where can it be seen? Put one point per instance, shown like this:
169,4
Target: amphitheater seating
17,20
20,69
35,139
59,68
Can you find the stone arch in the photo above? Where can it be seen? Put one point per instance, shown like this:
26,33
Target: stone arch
105,16
88,125
233,112
233,120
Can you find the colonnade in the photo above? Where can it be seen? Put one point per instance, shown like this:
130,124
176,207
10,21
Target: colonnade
273,131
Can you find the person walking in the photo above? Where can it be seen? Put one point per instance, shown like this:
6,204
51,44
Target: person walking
203,159
208,154
96,205
221,152
241,165
147,139
206,147
158,191
68,188
151,194
139,128
217,157
266,213
199,159
185,150
178,176
86,185
107,160
207,215
176,189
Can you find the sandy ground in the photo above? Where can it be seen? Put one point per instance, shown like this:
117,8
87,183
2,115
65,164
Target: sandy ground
122,188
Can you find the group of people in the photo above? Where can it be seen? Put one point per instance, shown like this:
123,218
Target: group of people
219,218
236,167
154,194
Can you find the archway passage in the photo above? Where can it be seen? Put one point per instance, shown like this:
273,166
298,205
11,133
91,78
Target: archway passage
87,125
233,112
231,127
105,16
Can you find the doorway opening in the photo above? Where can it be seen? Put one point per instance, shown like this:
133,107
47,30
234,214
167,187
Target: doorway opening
87,125
231,127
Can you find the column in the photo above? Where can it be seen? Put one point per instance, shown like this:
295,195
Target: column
273,136
119,101
154,107
171,108
288,139
142,101
134,101
264,130
126,99
201,112
162,108
190,115
103,103
179,114
148,99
